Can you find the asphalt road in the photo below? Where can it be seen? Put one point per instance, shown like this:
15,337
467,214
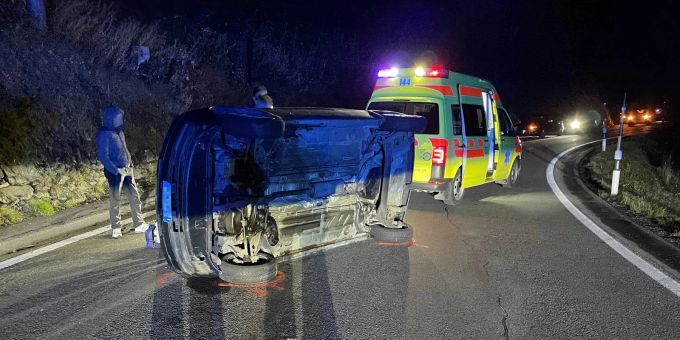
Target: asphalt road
505,263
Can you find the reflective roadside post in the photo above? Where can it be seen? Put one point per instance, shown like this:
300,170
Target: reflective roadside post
604,136
618,155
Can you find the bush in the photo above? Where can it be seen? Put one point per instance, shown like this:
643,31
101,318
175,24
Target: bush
99,29
14,132
10,216
40,207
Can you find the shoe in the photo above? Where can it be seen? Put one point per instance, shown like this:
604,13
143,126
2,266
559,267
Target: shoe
141,228
117,233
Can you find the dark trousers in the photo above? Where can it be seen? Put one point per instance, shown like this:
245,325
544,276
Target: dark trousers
130,188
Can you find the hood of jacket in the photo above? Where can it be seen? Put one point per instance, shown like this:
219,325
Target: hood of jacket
110,113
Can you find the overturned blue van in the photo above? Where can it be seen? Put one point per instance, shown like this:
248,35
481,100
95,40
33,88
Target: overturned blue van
239,187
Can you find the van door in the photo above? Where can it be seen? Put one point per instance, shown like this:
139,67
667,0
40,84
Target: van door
492,138
507,152
476,157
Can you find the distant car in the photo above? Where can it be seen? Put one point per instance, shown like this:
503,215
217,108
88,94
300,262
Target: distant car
642,116
588,122
240,187
541,126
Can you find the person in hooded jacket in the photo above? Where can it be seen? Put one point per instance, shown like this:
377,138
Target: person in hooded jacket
114,155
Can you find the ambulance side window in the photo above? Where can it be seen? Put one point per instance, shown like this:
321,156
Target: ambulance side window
475,120
506,125
457,126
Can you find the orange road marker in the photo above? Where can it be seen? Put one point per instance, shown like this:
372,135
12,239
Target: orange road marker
257,289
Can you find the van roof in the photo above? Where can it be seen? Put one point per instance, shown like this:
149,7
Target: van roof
408,84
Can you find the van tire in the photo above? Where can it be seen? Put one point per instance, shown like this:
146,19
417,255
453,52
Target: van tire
249,273
455,190
392,235
512,176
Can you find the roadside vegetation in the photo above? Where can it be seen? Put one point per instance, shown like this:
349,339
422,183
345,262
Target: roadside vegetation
650,178
55,80
40,207
9,215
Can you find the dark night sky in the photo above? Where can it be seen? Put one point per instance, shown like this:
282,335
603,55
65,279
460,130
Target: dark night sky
543,56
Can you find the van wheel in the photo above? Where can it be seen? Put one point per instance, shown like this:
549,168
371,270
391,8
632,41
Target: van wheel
392,235
455,189
512,177
246,273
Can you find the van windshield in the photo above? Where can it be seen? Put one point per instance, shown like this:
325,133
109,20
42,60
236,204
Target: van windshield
428,110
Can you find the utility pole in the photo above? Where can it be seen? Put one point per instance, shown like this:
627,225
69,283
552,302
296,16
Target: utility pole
618,155
604,127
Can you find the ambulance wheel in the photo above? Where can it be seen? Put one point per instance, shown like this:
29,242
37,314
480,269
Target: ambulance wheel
392,235
512,177
455,189
246,273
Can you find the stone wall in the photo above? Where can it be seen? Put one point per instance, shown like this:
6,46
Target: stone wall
28,191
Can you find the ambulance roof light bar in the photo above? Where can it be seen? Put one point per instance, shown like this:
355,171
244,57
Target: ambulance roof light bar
388,73
433,72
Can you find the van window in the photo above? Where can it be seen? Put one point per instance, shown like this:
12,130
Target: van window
428,110
457,126
475,120
507,129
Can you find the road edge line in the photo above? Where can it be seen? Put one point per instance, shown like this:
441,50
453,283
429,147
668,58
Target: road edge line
48,248
645,266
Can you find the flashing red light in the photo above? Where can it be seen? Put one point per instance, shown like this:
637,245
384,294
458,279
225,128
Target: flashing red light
436,71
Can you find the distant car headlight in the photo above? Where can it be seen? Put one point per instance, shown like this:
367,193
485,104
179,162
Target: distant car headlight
630,117
575,124
532,127
646,117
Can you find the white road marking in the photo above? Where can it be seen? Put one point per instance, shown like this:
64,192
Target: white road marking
33,253
646,267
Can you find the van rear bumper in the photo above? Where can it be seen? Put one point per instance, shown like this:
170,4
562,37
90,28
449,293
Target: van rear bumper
435,185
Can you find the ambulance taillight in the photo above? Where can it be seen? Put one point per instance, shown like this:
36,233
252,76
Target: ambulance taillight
439,147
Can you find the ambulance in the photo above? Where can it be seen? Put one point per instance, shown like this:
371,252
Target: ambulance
469,139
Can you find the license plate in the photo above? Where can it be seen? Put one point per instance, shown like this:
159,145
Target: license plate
166,201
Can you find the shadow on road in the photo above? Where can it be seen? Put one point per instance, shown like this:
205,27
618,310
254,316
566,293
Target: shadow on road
359,284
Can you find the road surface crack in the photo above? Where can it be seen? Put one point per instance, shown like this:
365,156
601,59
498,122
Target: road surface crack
454,225
484,266
504,321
